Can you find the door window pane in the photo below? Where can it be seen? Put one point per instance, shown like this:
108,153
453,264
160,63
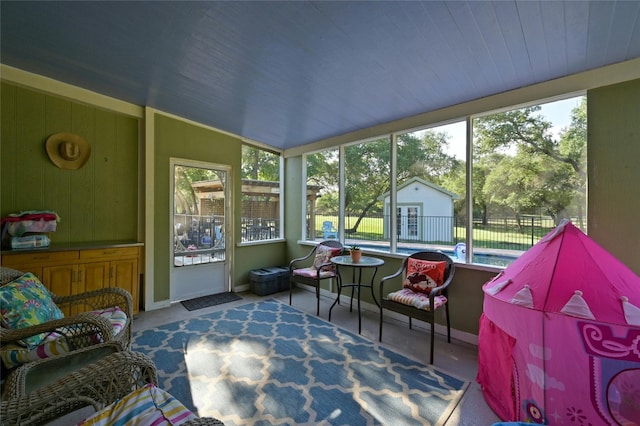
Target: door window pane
412,222
198,215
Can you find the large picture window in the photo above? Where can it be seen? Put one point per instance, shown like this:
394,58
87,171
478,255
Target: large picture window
527,173
322,195
367,179
261,201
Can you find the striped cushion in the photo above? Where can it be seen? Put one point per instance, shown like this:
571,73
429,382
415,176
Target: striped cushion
52,345
313,272
417,300
148,405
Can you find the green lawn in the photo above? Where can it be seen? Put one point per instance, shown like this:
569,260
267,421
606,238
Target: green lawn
496,235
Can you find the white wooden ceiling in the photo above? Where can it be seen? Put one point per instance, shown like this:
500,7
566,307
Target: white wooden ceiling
291,73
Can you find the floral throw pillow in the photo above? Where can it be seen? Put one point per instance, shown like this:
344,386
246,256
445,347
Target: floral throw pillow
323,255
24,302
424,275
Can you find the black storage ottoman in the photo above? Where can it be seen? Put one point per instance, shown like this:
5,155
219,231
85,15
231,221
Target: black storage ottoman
271,280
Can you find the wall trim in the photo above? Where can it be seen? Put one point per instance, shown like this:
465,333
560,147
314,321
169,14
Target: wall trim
149,218
68,91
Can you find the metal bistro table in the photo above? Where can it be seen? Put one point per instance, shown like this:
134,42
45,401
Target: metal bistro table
365,262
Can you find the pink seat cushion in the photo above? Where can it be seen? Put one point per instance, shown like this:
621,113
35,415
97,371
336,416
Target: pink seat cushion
409,297
312,272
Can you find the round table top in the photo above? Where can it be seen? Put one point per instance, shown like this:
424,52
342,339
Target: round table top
365,261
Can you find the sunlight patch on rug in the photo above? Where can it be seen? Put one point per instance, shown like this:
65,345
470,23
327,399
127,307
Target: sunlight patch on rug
268,363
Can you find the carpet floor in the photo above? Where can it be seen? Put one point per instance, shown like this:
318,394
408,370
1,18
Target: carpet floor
211,300
267,363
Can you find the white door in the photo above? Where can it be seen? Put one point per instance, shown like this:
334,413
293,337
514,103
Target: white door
408,225
200,229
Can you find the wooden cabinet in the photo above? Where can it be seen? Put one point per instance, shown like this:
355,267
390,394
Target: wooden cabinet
36,262
119,267
124,274
94,275
74,271
61,279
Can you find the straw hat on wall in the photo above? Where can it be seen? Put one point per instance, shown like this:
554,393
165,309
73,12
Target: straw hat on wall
68,150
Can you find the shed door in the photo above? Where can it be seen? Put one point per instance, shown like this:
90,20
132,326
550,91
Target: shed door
408,223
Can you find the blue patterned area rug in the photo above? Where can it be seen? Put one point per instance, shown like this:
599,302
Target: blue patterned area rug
267,363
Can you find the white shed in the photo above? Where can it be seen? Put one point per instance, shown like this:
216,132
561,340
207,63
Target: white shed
424,211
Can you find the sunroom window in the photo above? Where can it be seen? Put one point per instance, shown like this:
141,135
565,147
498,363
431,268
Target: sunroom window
527,173
261,200
322,195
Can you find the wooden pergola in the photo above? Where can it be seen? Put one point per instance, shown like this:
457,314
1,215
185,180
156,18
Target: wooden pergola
262,192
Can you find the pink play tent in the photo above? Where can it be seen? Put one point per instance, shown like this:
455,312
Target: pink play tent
559,339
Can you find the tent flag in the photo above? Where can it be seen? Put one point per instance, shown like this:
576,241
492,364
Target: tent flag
631,313
577,307
498,287
523,297
559,340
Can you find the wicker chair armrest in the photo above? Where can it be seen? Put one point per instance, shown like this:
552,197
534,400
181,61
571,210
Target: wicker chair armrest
96,385
99,299
81,330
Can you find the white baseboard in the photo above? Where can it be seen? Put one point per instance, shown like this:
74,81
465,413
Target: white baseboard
241,288
157,305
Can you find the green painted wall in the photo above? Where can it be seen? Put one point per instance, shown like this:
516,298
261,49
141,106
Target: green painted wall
179,139
98,202
614,170
176,138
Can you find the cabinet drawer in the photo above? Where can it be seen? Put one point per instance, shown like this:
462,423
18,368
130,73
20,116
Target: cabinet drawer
48,257
109,253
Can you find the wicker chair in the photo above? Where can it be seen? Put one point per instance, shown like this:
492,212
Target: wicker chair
33,376
97,385
78,331
437,294
312,275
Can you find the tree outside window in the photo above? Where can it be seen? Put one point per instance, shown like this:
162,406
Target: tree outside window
261,215
527,175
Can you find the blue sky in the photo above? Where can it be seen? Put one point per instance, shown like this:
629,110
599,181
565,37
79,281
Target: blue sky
558,113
